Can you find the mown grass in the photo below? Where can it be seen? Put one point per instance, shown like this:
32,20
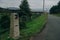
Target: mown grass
33,27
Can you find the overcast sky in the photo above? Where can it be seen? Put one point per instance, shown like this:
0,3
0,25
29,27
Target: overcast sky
35,4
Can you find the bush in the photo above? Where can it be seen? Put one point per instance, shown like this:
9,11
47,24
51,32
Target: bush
5,22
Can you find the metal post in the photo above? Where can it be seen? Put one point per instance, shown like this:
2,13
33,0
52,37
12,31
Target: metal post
43,5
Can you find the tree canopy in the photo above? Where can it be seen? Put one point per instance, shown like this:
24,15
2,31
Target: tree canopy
24,8
55,9
25,12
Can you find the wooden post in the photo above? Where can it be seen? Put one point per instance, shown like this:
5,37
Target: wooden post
14,26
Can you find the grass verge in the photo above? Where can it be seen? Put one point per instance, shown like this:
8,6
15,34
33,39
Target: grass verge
34,27
57,14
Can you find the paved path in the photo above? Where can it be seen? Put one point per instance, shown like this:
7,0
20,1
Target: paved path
52,30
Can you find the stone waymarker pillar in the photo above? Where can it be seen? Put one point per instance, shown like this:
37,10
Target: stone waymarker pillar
14,26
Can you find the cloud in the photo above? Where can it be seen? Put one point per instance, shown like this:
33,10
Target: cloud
35,4
10,3
39,3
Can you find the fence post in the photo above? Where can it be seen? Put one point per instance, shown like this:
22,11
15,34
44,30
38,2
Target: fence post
14,26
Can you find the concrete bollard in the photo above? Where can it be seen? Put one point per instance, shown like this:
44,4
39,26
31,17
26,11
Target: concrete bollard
14,26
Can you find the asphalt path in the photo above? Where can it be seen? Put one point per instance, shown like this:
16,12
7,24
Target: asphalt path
51,31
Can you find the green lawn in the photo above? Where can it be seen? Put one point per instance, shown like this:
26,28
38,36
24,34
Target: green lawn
33,27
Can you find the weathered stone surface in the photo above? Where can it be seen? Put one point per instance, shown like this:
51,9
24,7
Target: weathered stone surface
14,26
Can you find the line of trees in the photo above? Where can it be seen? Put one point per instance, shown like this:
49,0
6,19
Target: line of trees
55,9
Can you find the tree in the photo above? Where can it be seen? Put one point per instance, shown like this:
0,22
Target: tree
59,6
25,10
59,3
5,21
55,9
25,13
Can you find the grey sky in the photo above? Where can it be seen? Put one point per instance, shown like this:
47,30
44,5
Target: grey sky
35,4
